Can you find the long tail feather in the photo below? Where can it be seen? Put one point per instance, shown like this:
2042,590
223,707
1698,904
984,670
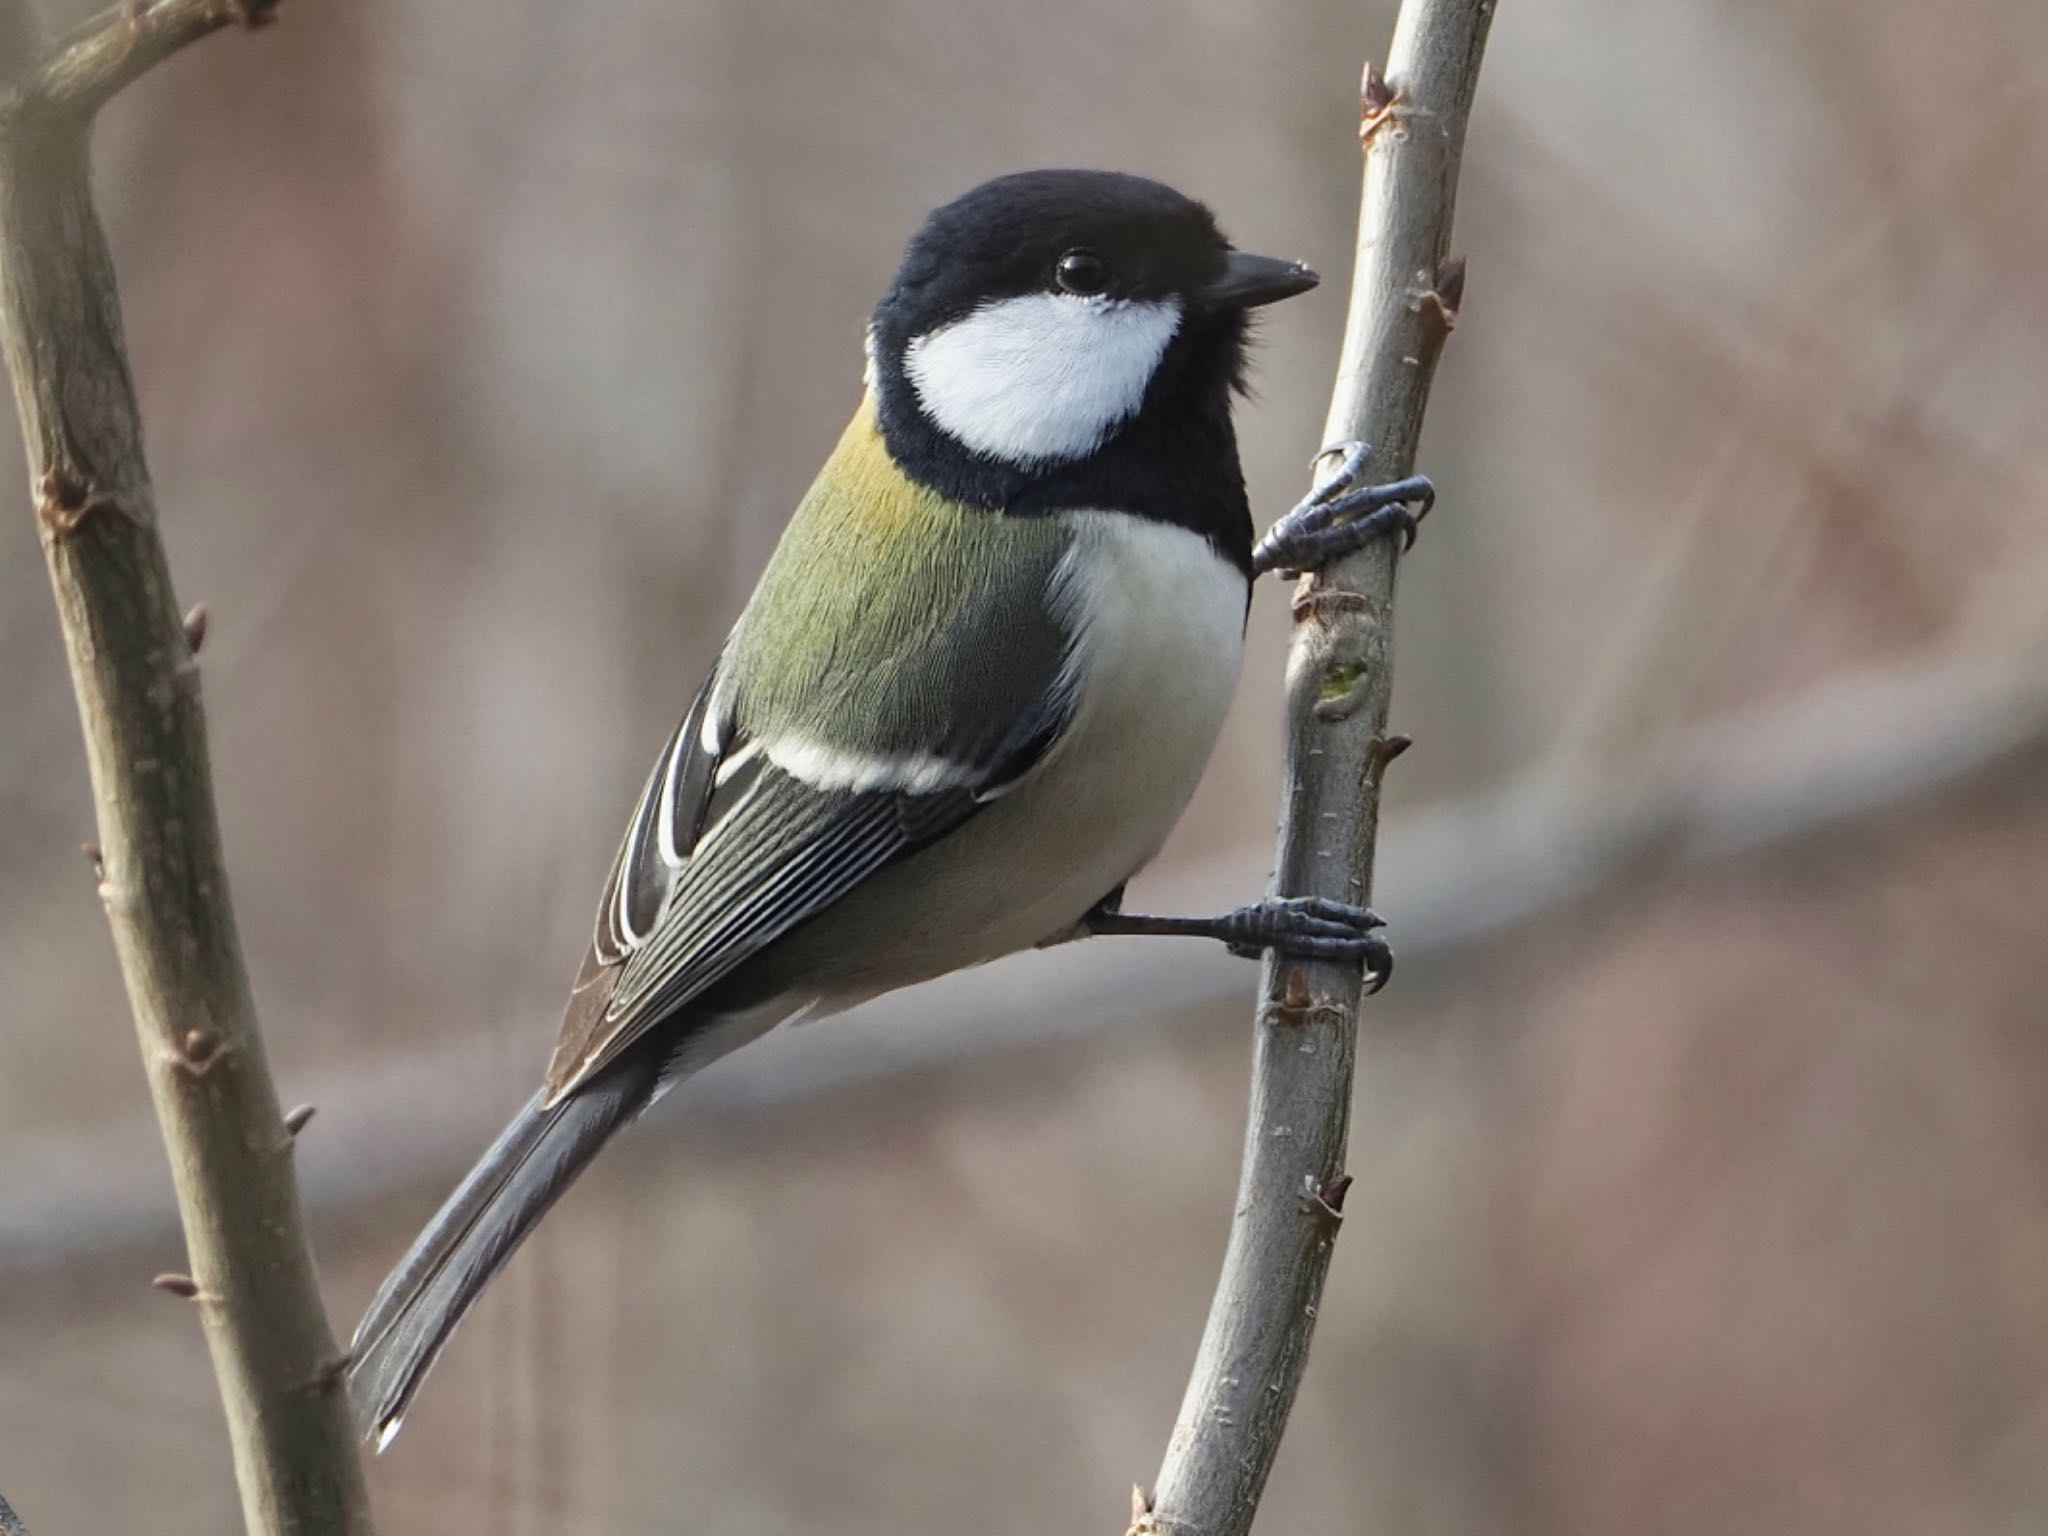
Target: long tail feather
475,1232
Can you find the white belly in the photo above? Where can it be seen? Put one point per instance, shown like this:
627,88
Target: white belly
1161,639
1160,636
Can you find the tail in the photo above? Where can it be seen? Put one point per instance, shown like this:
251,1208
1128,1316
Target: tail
471,1237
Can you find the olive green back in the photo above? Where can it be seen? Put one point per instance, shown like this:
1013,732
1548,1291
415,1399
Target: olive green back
891,620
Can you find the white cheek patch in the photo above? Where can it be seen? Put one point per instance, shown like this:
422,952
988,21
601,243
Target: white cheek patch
1040,377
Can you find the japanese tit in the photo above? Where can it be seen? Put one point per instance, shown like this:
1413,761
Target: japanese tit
971,695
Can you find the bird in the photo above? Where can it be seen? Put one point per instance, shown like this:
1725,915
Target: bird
972,693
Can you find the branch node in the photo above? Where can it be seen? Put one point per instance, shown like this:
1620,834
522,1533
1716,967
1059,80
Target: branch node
1312,601
63,501
199,1052
195,628
1294,994
1143,1522
171,1283
1344,688
1378,104
118,898
1298,1007
330,1373
1437,299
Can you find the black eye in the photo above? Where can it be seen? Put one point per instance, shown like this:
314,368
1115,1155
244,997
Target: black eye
1082,271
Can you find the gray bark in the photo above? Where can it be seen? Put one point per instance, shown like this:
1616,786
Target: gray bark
1404,299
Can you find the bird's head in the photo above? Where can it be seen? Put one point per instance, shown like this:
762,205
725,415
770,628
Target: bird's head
1043,316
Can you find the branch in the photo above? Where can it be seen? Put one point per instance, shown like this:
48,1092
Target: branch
1290,1201
10,1522
81,74
158,858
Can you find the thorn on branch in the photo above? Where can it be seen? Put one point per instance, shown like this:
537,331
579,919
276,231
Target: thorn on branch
172,1283
1374,94
1382,752
253,13
296,1121
195,628
1450,285
95,858
1437,302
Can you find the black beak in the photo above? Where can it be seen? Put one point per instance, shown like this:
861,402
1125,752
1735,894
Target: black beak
1249,280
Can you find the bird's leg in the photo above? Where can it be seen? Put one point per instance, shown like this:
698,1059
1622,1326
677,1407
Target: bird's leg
1307,926
1105,909
1340,516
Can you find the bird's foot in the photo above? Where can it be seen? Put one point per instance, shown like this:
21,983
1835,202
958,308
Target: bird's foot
1340,516
1306,926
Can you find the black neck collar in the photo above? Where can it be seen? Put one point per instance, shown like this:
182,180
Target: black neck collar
1174,462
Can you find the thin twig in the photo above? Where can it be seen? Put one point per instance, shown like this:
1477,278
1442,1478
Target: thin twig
161,875
1404,299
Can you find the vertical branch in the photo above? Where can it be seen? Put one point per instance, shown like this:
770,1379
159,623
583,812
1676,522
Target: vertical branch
158,859
1404,298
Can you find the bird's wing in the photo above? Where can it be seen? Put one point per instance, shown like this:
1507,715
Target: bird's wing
770,851
881,721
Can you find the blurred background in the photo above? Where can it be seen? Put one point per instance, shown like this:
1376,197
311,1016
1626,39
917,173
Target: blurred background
1702,1142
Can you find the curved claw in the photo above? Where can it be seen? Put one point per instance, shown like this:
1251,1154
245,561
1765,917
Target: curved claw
1312,928
1378,970
1339,517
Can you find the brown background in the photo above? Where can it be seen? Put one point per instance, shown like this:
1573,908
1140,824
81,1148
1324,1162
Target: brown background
1702,1143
